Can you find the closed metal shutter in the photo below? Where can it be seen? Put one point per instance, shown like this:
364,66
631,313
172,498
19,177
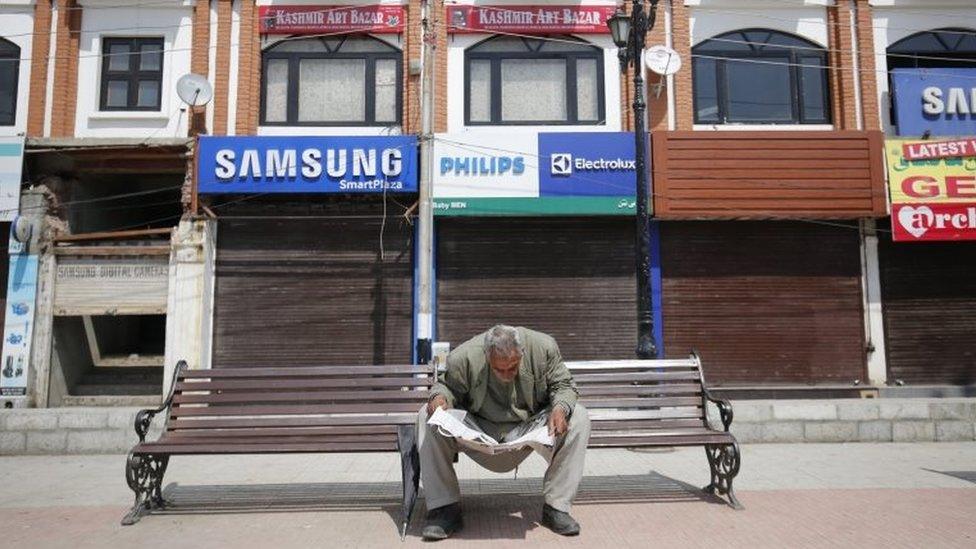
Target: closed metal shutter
928,292
570,278
299,292
764,302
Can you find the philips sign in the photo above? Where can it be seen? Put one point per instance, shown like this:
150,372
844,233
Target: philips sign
307,164
938,101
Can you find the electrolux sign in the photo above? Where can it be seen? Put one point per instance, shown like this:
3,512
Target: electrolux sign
587,164
307,164
939,101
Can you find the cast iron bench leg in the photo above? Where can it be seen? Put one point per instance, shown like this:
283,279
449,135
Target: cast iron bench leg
144,474
724,461
410,466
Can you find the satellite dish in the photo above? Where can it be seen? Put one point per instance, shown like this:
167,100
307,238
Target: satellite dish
22,229
662,60
194,90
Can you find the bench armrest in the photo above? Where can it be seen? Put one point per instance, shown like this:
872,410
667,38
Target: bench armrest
144,417
724,409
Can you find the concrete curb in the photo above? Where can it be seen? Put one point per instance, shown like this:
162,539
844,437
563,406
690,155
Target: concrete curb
90,430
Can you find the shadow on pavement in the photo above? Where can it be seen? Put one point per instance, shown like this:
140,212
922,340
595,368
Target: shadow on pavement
497,508
969,476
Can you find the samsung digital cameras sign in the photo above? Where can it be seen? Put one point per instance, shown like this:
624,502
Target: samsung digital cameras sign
248,164
938,101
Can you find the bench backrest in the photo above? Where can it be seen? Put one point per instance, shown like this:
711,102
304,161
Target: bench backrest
355,403
642,394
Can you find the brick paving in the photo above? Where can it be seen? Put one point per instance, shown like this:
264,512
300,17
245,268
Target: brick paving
827,495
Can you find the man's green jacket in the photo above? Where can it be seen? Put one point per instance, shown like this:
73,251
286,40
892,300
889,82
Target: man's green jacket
543,379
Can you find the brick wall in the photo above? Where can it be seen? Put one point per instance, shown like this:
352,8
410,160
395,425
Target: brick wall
867,62
248,71
222,68
65,98
681,36
37,101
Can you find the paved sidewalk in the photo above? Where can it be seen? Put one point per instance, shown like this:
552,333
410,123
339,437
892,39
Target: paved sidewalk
803,495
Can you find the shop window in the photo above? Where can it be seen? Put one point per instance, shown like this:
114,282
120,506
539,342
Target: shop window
132,74
9,72
947,48
519,80
331,81
759,76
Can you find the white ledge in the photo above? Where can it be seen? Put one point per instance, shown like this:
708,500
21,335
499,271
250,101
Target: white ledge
764,127
128,115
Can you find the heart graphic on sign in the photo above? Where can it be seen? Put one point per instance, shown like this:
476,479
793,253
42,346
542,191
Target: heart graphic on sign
916,220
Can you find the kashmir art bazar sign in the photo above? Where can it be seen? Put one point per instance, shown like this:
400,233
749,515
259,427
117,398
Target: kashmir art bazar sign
258,164
933,189
535,19
527,174
307,19
940,101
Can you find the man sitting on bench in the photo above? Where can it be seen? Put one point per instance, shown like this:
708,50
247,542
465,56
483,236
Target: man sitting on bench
502,378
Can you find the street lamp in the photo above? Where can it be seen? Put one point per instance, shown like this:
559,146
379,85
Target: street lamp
628,32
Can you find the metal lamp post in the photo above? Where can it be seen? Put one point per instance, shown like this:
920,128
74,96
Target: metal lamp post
628,33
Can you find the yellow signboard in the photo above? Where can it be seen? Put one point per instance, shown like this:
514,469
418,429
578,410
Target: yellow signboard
946,180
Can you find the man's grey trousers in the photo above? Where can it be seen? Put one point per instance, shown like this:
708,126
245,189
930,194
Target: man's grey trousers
558,486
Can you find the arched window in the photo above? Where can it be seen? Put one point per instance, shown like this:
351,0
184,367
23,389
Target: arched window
9,72
331,81
514,80
760,76
940,48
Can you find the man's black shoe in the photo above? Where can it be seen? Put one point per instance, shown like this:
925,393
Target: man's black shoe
442,522
559,522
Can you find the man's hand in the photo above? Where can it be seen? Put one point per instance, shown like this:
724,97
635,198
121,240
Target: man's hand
437,402
557,421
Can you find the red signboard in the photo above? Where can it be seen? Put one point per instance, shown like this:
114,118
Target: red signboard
926,222
327,19
530,19
925,150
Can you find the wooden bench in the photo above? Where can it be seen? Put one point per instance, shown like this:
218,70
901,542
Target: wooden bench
632,403
654,403
281,411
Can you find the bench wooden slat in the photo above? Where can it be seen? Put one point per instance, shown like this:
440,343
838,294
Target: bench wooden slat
279,439
418,397
296,409
636,364
646,402
611,425
630,377
597,441
283,431
203,423
674,413
307,371
312,383
321,447
690,389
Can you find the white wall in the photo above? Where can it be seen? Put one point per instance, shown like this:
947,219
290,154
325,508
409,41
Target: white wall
17,18
894,20
173,21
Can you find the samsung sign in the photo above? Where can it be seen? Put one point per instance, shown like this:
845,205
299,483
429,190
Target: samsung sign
307,164
938,101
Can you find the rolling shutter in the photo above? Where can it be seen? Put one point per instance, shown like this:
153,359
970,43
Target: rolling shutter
764,302
316,291
572,278
928,293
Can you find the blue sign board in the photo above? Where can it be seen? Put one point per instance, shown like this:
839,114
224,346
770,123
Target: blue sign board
259,164
586,164
939,101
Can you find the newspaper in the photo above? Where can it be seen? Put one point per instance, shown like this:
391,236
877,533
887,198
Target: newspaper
456,423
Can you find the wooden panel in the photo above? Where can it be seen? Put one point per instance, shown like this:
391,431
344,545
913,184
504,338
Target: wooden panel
765,302
570,278
739,174
928,292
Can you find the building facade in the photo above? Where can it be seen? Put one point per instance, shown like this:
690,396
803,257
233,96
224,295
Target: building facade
275,224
